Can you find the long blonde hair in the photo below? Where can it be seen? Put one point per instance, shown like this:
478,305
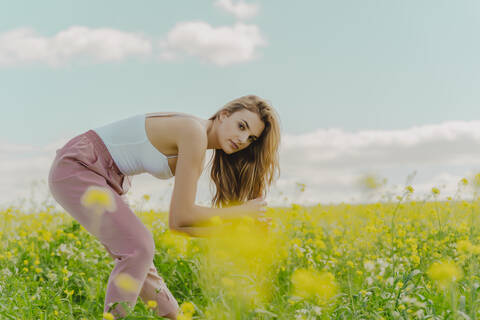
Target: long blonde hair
246,174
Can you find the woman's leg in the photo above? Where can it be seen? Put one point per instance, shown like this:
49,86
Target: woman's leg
121,231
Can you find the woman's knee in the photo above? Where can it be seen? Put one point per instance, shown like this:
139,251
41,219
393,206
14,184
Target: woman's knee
144,248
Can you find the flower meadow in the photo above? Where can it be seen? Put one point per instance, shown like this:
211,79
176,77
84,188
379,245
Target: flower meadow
400,259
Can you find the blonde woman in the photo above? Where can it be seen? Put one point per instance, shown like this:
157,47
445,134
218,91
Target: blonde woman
245,136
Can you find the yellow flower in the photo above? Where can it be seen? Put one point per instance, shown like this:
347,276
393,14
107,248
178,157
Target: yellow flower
320,244
146,197
464,246
310,283
409,189
464,181
415,259
444,273
216,220
68,293
184,317
152,304
126,282
187,308
108,316
435,191
99,199
227,282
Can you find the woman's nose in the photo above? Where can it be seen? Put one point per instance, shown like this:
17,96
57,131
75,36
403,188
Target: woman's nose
244,138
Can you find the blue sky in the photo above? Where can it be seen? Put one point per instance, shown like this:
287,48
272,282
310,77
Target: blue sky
362,87
345,64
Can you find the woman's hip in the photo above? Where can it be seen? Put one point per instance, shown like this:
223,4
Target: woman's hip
87,152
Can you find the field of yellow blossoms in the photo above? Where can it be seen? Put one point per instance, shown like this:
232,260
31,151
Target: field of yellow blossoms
402,259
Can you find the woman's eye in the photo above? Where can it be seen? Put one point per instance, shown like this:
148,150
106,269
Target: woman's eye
241,126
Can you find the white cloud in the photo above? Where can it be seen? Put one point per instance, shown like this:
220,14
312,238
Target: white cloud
328,161
221,46
24,45
218,45
240,9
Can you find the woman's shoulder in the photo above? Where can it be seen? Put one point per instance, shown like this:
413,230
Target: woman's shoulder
176,119
166,129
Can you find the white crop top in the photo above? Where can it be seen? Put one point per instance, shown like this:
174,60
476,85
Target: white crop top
132,152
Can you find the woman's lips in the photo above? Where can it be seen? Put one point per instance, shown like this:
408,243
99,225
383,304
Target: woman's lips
234,145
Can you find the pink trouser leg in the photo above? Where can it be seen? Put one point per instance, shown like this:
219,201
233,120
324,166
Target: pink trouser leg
154,288
121,232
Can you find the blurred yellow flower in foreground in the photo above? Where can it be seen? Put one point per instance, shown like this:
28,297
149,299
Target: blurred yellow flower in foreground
313,284
126,282
108,316
216,220
99,199
444,273
239,260
467,248
152,304
187,308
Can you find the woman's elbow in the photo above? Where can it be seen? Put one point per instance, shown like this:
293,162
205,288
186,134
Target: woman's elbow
172,226
180,217
175,222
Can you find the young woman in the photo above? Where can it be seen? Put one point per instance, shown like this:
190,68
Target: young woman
245,136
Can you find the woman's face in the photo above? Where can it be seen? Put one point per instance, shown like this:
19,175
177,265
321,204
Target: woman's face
241,128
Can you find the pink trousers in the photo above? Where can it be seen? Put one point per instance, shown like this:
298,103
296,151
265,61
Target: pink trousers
82,162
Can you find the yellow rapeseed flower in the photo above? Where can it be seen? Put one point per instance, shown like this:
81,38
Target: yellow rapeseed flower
227,282
152,304
313,284
216,220
108,316
68,292
435,191
99,199
464,246
187,308
444,273
126,282
409,189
